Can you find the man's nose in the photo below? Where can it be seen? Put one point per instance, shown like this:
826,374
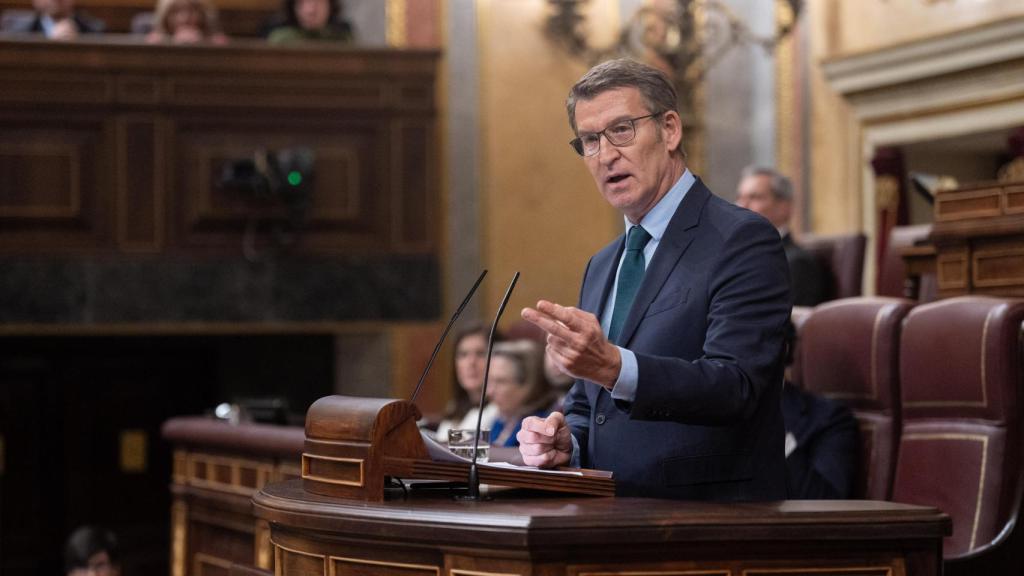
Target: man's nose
607,151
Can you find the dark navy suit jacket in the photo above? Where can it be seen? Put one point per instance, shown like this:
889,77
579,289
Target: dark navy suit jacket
707,328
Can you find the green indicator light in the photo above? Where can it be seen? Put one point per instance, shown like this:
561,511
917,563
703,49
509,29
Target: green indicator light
294,178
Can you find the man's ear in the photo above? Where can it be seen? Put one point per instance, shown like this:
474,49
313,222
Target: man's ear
672,128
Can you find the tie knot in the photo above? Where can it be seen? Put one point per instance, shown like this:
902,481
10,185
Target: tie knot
637,238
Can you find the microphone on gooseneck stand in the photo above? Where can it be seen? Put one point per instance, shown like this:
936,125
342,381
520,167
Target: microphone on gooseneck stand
444,335
474,476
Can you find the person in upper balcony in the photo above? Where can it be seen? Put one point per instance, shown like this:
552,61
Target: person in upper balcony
770,194
517,388
311,20
186,22
57,20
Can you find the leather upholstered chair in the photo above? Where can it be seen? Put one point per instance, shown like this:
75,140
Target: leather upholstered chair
849,352
892,272
960,447
842,256
798,316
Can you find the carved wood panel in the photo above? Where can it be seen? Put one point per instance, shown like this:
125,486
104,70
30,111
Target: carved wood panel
54,183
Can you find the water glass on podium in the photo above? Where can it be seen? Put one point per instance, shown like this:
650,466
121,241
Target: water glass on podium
460,442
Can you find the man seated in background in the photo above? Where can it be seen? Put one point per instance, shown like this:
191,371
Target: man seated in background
770,194
822,441
56,19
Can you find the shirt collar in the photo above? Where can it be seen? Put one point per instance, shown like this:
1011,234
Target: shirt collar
656,221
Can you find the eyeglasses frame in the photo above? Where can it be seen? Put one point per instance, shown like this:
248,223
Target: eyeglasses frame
577,141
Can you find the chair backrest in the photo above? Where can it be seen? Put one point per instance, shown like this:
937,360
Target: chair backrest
842,255
892,273
797,316
849,352
960,446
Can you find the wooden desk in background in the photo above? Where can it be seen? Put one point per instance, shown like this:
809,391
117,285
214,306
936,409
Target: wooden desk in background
977,242
218,467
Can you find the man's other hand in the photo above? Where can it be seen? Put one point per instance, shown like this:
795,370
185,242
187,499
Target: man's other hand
545,442
576,342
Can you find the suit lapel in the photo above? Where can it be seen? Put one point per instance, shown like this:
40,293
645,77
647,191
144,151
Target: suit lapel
600,277
681,230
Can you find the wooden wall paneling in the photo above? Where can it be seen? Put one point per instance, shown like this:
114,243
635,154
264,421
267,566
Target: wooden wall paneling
346,209
140,191
55,174
415,195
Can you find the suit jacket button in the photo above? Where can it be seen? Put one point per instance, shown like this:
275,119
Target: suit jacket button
600,419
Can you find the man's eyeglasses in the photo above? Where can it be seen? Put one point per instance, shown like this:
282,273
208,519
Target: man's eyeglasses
618,134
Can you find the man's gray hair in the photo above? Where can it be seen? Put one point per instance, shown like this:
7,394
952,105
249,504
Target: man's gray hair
655,87
781,187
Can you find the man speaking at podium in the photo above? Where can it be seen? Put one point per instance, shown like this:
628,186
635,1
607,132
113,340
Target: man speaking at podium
677,344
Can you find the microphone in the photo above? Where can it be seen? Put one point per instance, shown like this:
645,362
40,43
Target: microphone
474,476
444,335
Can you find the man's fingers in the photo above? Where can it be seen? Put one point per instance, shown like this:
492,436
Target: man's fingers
563,314
540,460
554,422
546,322
528,448
541,426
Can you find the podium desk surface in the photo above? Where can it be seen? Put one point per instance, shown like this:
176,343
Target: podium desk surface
528,519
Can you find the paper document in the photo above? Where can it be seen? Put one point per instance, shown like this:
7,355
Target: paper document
532,469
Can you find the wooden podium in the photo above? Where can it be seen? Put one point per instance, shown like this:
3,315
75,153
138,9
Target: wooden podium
353,444
425,531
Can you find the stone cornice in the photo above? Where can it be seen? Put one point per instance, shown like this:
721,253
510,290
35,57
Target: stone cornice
949,54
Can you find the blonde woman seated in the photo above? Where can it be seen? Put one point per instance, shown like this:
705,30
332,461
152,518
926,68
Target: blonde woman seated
467,386
517,388
186,22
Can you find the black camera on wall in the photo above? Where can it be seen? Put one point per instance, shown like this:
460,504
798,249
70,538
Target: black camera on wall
285,174
281,177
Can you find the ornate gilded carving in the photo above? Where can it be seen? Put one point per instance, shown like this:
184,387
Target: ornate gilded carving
179,534
264,552
887,192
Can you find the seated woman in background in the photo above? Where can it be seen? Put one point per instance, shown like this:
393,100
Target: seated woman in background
470,361
311,20
517,387
186,22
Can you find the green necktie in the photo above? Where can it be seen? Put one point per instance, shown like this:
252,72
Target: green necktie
630,275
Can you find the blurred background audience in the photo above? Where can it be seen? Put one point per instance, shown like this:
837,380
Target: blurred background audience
470,362
767,192
186,22
55,19
517,388
311,20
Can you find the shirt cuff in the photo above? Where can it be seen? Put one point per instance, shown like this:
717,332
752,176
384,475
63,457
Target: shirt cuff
574,460
625,387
